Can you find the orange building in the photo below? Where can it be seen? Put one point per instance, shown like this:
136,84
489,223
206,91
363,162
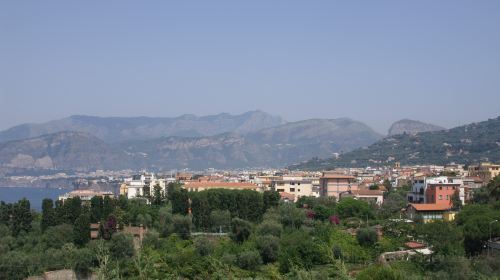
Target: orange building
441,194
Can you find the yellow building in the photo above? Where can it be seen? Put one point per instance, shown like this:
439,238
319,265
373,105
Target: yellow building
449,216
123,189
297,186
485,170
429,212
201,186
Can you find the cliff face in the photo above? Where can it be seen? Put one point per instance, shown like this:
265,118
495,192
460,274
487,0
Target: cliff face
63,150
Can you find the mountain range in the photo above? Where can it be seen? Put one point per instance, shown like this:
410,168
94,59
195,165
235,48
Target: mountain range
253,139
119,129
466,144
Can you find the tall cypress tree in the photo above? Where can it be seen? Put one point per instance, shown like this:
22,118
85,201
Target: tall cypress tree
81,232
108,207
48,214
96,205
180,202
60,212
5,213
21,218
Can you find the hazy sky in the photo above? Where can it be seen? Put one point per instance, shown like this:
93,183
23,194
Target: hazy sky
374,61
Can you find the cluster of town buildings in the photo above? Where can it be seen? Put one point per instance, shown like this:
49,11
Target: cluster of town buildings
433,189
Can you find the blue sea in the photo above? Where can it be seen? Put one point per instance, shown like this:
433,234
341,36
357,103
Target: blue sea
34,195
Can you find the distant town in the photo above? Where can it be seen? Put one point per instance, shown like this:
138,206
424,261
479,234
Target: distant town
431,194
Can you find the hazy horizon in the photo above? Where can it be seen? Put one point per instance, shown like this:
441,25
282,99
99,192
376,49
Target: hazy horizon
375,62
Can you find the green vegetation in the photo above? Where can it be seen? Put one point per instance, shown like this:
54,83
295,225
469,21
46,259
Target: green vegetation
467,144
243,234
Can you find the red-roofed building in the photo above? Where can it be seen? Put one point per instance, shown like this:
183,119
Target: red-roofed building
287,197
430,212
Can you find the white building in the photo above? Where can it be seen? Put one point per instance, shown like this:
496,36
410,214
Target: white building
417,193
375,196
84,195
143,185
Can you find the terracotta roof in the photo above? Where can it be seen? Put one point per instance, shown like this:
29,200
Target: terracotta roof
336,176
220,185
289,196
430,207
367,192
414,245
476,179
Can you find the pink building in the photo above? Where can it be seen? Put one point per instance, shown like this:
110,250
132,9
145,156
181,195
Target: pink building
335,184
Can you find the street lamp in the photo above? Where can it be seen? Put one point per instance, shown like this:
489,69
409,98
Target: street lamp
489,245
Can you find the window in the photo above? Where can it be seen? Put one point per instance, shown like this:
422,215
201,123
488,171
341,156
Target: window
280,190
447,197
298,183
292,189
292,183
440,197
440,188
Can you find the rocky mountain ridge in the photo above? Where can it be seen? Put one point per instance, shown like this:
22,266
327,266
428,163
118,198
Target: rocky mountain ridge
406,126
120,129
269,147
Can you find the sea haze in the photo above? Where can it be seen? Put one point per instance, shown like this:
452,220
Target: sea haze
34,195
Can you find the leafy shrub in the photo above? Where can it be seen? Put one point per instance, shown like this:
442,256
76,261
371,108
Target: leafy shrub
203,246
268,247
182,226
367,237
241,230
270,228
249,260
121,245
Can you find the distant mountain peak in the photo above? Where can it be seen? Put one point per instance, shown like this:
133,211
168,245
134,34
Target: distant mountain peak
407,126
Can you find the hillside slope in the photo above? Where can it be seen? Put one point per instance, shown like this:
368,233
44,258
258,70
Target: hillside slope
464,144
